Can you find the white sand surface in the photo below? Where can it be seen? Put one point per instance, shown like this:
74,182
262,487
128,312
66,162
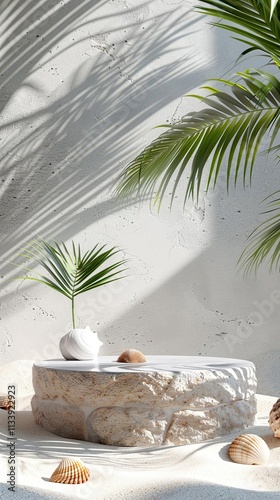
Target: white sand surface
191,472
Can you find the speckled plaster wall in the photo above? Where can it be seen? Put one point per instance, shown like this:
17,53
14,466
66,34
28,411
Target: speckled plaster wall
83,83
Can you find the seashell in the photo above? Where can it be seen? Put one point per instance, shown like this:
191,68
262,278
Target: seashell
80,343
5,404
131,356
249,449
274,418
70,471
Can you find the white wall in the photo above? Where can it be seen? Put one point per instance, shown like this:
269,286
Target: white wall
83,84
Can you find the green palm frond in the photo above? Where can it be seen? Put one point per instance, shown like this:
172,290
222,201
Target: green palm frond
255,22
264,242
72,273
273,5
231,127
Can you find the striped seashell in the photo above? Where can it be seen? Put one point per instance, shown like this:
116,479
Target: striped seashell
249,449
274,418
80,343
5,404
131,356
70,471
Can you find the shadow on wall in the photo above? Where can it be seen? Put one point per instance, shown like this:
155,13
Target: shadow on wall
69,134
81,81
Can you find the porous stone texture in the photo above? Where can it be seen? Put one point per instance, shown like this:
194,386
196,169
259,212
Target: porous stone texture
188,426
129,426
159,402
66,421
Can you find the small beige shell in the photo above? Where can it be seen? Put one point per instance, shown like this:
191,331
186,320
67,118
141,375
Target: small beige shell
5,404
70,471
131,356
249,449
274,418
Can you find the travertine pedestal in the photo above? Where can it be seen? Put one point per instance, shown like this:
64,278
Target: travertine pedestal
170,400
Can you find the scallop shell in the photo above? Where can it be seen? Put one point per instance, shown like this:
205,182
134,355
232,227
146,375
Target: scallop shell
131,356
5,404
70,471
249,449
274,418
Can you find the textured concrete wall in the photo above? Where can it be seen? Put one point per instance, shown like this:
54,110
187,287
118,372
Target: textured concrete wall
83,84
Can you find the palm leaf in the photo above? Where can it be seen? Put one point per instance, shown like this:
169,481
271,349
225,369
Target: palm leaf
264,241
273,6
47,256
230,128
72,273
255,22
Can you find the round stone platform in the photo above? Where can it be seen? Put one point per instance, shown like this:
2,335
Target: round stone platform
170,400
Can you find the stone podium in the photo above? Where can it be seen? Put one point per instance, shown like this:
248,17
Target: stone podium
169,400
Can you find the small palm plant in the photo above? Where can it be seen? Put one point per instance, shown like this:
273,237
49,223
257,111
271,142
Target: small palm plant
72,273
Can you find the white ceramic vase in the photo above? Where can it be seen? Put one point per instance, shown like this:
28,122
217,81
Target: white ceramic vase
80,344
